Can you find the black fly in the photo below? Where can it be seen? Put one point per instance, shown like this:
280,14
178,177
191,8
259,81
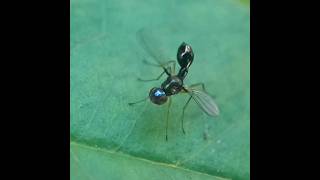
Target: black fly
174,82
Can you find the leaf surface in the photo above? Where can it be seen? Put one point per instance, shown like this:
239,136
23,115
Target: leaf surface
106,60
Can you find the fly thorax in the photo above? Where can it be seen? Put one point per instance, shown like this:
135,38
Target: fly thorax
172,85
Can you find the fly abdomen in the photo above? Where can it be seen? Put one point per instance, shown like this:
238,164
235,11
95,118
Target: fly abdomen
185,55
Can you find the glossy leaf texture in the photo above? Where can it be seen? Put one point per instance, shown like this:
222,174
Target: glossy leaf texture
111,140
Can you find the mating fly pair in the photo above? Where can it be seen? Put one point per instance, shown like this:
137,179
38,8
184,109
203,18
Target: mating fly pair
174,82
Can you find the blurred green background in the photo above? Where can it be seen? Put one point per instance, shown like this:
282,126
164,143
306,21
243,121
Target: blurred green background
111,140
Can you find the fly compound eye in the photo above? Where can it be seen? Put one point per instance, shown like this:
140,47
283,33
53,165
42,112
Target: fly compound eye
185,55
158,96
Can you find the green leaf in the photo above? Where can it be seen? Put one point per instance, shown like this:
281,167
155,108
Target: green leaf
111,140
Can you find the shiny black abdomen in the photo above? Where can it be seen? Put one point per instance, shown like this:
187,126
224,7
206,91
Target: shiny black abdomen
172,85
185,55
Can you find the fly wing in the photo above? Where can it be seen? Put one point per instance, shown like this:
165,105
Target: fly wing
205,102
151,45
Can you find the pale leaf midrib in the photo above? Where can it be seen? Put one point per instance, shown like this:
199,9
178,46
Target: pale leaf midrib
118,153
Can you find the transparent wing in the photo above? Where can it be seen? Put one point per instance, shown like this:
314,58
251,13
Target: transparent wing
147,40
205,102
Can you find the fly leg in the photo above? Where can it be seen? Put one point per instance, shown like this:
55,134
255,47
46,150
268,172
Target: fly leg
136,102
158,65
166,70
163,65
155,79
167,122
182,116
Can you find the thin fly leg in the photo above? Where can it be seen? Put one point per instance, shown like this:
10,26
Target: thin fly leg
150,64
158,65
157,78
163,65
182,117
167,122
140,101
174,67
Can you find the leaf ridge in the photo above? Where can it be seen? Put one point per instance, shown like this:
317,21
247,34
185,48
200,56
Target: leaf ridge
145,160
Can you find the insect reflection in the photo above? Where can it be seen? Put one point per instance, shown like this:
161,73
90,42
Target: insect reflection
174,82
